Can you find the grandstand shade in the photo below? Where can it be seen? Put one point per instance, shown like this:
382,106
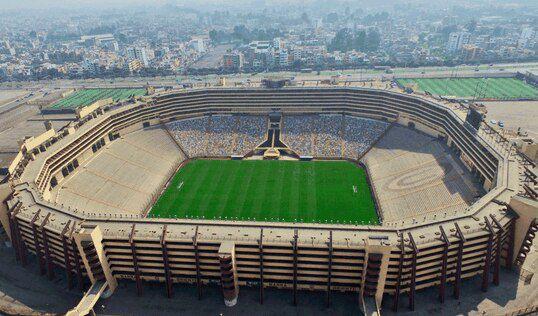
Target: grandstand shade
88,96
481,88
286,191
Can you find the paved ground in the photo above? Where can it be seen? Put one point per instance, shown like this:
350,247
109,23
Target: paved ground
24,292
21,122
213,58
515,114
185,302
9,95
279,302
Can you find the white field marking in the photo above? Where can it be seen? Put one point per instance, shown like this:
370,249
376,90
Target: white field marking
354,189
180,185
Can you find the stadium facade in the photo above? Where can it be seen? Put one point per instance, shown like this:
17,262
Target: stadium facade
391,260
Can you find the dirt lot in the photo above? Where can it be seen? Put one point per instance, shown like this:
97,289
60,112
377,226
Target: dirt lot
8,95
213,58
515,114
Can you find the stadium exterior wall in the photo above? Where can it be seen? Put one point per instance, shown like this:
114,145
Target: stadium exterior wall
432,252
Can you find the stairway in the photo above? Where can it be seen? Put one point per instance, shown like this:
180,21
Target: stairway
372,274
527,243
93,261
228,274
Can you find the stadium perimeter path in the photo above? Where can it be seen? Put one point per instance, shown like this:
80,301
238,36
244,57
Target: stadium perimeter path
24,292
279,302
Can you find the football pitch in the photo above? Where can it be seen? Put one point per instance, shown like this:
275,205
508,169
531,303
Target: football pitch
258,190
481,88
88,96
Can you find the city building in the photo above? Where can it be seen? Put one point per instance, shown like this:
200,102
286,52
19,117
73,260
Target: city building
456,40
233,61
134,65
527,39
138,53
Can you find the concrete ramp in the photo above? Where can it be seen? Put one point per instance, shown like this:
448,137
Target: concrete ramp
370,307
91,297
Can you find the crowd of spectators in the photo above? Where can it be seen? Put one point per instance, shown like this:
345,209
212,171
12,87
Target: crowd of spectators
327,135
219,135
331,135
251,132
191,134
359,135
297,133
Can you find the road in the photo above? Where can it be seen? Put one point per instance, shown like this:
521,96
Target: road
21,100
350,75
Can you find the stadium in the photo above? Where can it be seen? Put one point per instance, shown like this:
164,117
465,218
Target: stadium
367,191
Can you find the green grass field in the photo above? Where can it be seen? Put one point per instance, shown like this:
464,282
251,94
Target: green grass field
257,190
88,96
482,88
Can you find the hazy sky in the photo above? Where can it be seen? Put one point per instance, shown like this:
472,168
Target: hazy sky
215,4
41,4
212,4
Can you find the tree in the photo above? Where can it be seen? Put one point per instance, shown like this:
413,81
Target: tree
446,30
471,26
346,40
373,39
213,36
341,41
331,17
359,40
305,18
241,33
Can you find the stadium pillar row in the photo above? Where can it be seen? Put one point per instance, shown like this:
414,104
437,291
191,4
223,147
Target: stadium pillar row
166,264
67,259
487,261
295,246
413,273
80,280
442,283
330,268
135,261
197,262
36,243
399,278
261,265
497,263
457,279
46,249
16,238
